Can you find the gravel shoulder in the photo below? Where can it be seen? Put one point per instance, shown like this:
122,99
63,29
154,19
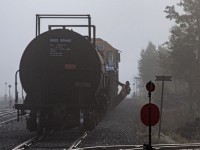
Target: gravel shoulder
119,127
12,134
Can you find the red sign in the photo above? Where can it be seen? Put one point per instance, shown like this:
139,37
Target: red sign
70,66
150,86
154,112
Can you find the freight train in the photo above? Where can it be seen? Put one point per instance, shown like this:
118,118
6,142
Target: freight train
69,79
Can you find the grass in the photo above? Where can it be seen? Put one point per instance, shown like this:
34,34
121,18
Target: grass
167,136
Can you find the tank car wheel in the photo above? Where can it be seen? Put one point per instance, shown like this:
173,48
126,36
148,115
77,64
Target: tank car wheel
87,121
82,121
103,111
90,122
104,106
31,122
40,123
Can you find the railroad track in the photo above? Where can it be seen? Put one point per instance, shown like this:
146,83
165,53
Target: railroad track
5,112
55,140
7,116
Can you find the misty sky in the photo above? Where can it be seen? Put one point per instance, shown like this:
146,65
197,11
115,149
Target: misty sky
128,25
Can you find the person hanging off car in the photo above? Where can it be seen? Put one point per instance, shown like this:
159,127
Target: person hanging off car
125,89
122,94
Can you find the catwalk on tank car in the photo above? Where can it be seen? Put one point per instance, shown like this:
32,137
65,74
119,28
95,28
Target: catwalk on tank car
68,81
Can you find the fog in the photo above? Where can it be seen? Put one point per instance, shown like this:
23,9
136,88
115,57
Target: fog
128,25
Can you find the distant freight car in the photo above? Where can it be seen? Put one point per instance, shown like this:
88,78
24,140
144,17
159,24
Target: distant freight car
111,57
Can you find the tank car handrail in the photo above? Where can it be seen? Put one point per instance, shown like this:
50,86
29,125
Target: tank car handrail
62,16
55,17
16,91
71,25
74,15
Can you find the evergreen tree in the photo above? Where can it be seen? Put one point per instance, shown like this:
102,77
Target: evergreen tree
184,43
148,64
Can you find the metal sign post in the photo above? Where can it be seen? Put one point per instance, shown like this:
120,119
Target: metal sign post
149,114
162,78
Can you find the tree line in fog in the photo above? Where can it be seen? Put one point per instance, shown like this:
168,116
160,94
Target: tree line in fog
180,55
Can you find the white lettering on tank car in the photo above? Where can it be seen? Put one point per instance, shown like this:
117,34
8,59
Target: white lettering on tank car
65,40
57,46
53,40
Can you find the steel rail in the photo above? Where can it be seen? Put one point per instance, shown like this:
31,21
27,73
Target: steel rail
8,113
78,141
187,146
8,109
10,120
28,143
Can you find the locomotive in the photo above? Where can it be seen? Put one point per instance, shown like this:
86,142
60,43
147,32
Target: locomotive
68,79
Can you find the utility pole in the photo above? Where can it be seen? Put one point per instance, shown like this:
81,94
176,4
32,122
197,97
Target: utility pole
5,98
9,86
162,78
137,82
10,100
133,90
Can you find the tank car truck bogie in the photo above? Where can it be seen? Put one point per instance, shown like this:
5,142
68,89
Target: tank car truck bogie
88,120
65,78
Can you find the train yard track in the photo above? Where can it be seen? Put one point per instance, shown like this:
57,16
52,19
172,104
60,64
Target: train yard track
55,140
5,112
7,115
